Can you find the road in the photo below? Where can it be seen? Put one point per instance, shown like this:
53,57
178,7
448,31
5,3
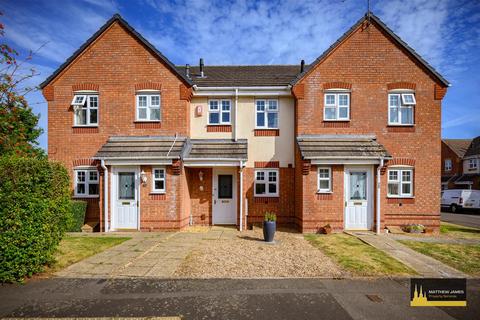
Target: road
226,299
468,219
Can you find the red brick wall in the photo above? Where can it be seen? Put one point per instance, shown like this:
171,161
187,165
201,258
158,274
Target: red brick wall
200,201
370,61
115,63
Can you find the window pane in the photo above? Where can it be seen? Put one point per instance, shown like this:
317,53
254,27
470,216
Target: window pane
408,98
272,105
323,173
406,176
81,188
159,174
260,119
343,112
393,175
79,100
214,117
272,176
225,186
93,116
407,115
93,189
273,120
93,102
155,100
406,188
394,115
142,101
324,185
126,185
393,188
259,188
155,114
358,186
330,113
226,117
226,105
93,176
260,105
394,100
272,188
343,100
81,116
142,113
80,176
213,105
159,185
330,99
260,175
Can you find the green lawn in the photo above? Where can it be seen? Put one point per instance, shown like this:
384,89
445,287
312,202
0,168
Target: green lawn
457,231
74,248
358,257
465,258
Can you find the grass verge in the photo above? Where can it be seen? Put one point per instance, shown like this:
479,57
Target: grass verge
358,257
73,249
457,231
463,257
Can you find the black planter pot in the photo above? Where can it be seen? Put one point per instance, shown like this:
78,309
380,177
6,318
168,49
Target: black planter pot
269,228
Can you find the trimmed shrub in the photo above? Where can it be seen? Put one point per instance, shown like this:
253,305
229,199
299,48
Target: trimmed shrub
34,212
78,210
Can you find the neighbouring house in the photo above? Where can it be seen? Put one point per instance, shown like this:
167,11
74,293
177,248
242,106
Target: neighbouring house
351,140
453,151
470,179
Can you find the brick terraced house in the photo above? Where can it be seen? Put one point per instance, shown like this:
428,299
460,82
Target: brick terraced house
351,140
461,163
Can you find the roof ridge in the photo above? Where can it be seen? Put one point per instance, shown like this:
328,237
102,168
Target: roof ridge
242,65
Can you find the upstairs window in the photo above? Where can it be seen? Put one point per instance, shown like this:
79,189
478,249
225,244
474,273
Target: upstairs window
400,183
158,180
266,183
86,182
85,108
448,164
472,164
148,107
266,114
219,111
400,108
337,107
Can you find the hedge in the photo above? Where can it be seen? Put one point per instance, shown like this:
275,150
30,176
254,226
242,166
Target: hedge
78,209
34,213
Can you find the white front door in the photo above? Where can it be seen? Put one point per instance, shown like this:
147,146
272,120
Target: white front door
224,197
125,198
358,198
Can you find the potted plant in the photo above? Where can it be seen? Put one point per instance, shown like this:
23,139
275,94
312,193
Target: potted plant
414,228
269,226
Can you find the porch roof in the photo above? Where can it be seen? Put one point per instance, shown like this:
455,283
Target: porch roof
446,179
142,147
467,178
354,147
215,149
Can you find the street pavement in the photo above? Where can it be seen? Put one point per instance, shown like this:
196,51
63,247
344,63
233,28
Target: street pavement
468,219
225,299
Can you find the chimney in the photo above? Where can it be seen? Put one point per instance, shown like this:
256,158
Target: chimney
201,68
302,66
187,70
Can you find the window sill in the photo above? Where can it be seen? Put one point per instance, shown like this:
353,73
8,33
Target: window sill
86,126
335,120
147,121
158,192
324,192
85,196
400,125
266,196
398,197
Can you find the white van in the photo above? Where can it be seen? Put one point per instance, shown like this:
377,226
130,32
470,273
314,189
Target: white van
457,199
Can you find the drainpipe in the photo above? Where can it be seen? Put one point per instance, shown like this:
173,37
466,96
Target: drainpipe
236,109
241,195
378,194
105,193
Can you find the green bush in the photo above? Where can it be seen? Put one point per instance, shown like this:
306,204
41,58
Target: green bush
78,209
34,213
270,216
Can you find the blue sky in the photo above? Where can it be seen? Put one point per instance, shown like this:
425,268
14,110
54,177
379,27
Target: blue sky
446,33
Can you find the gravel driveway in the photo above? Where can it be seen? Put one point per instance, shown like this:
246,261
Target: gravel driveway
226,253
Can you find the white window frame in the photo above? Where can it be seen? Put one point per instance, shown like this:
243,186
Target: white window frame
472,163
87,182
402,105
399,181
265,112
329,179
266,182
148,107
85,103
448,164
220,112
336,105
164,179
